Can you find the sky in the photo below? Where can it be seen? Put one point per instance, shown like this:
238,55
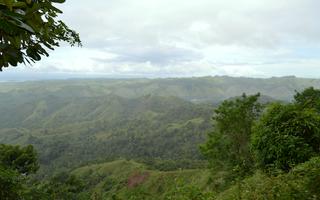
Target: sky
185,38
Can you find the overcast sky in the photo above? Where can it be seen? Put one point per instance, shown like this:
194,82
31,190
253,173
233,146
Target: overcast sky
175,38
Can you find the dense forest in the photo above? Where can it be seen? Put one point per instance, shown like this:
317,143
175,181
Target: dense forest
190,138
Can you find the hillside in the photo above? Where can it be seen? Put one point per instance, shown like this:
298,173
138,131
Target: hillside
131,179
68,132
139,139
74,122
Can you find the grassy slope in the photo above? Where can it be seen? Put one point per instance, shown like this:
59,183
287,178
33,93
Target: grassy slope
107,179
112,178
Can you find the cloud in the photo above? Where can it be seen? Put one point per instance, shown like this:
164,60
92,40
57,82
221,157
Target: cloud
261,23
194,37
159,56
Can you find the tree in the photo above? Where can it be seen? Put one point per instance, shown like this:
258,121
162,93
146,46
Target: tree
15,164
308,98
286,135
228,144
28,28
10,184
64,186
21,159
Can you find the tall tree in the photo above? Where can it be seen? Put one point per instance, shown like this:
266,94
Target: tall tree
289,134
28,28
228,144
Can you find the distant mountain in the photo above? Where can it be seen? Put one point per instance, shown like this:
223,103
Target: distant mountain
205,89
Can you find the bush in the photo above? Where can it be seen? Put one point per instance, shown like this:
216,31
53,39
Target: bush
286,135
302,183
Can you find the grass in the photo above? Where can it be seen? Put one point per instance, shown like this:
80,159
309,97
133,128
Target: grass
111,178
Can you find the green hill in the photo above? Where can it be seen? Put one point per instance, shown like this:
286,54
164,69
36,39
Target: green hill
139,138
72,122
69,133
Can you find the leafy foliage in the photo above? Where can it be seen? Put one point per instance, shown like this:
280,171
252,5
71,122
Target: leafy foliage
10,184
183,191
228,144
308,98
286,135
302,183
21,159
28,28
15,164
63,186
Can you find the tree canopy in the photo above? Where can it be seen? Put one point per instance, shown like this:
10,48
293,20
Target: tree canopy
308,98
21,159
288,134
29,28
15,164
228,144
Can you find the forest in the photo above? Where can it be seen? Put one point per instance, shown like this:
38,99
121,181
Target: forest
170,139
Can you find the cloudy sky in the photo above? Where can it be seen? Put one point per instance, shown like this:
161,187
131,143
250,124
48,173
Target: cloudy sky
178,38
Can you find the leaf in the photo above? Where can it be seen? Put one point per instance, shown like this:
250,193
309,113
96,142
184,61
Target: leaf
58,1
9,4
12,14
19,4
22,25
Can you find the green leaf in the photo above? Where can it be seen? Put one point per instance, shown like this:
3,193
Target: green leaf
22,25
58,1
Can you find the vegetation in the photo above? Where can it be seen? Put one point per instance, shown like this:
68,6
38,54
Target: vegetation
228,146
285,136
16,163
302,182
85,130
95,145
28,28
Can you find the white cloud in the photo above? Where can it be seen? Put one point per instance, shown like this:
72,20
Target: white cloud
188,38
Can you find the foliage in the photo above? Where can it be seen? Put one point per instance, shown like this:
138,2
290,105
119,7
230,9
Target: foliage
15,164
302,183
308,98
171,165
63,186
183,191
28,28
285,136
112,180
309,172
21,159
228,144
10,184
